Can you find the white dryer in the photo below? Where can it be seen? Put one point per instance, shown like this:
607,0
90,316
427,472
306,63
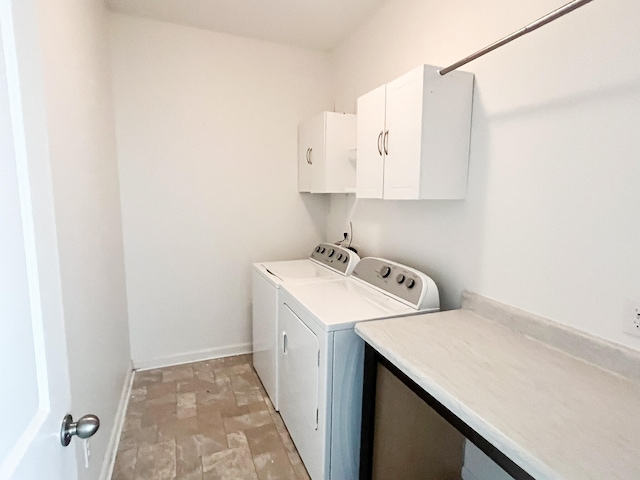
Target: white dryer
326,262
321,357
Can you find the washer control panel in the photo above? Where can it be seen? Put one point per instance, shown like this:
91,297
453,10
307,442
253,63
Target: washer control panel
336,257
404,283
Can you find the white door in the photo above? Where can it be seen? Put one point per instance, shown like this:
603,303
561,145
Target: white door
304,160
33,361
370,144
299,352
404,123
316,130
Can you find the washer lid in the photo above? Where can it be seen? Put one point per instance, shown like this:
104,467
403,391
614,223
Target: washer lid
340,304
295,271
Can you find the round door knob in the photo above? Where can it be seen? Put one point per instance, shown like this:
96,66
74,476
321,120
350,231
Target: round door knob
85,427
410,283
400,278
385,272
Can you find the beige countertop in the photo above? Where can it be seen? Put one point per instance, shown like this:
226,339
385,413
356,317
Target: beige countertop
556,415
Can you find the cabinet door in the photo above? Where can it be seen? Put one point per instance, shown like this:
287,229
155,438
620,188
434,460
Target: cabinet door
305,136
404,110
317,152
370,153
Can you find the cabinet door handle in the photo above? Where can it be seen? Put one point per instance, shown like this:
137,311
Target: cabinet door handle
310,158
379,142
386,142
307,156
284,342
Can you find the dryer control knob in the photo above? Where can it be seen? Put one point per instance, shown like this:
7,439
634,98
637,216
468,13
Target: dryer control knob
410,283
385,272
331,252
323,249
345,259
339,256
318,249
400,278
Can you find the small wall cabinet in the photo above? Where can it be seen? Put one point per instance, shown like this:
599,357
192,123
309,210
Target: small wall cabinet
324,142
413,137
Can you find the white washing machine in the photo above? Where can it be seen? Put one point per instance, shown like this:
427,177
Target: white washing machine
321,357
326,262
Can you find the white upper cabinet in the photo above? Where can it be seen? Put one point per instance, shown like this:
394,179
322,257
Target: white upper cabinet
370,144
413,137
324,142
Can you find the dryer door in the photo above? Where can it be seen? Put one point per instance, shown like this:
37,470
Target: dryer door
299,351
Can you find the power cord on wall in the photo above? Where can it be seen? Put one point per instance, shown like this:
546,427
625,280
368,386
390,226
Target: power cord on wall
350,237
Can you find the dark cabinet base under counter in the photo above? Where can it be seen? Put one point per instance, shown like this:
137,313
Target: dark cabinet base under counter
408,434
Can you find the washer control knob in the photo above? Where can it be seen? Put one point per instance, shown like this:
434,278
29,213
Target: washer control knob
400,278
331,252
339,256
385,272
410,283
322,250
318,249
345,259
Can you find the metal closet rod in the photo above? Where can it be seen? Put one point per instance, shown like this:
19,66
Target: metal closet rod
548,18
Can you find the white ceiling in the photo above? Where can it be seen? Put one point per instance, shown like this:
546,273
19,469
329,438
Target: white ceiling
316,24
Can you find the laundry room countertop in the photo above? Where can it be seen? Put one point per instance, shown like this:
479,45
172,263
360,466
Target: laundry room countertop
557,402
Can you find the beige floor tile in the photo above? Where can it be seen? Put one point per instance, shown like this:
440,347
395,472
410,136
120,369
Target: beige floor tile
158,414
263,439
269,455
138,438
258,407
179,372
144,377
125,465
230,464
159,390
244,422
202,421
249,397
132,423
202,382
274,466
164,399
301,472
156,462
204,444
244,381
177,427
188,462
186,406
238,439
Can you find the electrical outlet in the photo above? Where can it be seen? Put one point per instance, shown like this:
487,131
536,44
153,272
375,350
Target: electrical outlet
632,317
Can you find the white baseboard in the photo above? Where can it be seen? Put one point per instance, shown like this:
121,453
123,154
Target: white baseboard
197,356
118,424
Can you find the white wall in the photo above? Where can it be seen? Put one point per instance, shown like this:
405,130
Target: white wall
206,133
551,223
87,208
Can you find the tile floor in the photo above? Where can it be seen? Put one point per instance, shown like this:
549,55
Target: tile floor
209,420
